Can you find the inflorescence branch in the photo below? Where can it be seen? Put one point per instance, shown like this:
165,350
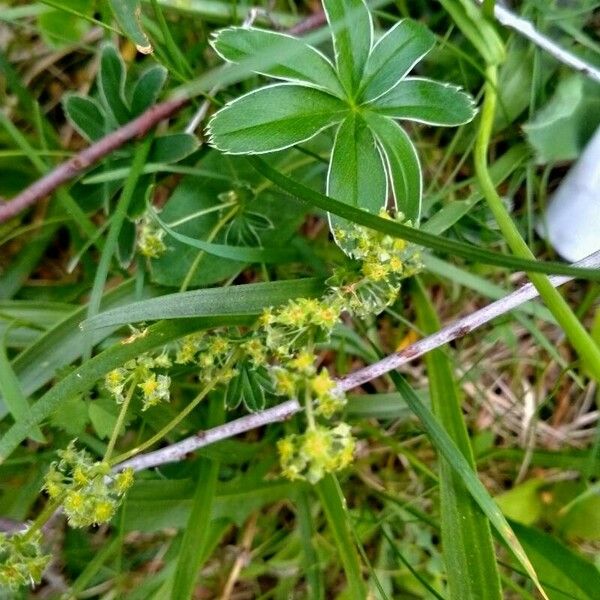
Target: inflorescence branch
281,412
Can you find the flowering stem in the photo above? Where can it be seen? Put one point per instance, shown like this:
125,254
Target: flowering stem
211,236
308,409
182,415
120,421
574,330
44,516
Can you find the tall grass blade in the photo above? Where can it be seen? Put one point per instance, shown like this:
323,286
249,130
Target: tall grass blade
454,457
466,537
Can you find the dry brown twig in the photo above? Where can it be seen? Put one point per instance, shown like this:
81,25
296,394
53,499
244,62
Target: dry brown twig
139,127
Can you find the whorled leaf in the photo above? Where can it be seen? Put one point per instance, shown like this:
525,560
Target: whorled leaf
111,83
426,101
393,56
356,170
296,61
147,88
273,118
352,33
402,164
86,115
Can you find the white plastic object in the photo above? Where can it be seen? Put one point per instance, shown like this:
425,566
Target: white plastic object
572,220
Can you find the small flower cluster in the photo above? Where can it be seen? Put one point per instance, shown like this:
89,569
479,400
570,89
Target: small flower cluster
299,322
211,352
298,378
317,451
89,492
382,261
154,388
150,240
21,559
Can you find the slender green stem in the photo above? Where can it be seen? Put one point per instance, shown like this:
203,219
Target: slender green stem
176,420
200,213
574,330
120,420
117,220
211,236
44,516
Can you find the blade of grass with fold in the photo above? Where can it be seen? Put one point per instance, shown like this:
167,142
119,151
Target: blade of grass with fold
459,464
466,537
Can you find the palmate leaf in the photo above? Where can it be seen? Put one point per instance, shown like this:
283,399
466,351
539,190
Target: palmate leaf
426,101
249,387
273,118
356,171
86,115
352,33
402,164
297,61
147,88
366,92
393,56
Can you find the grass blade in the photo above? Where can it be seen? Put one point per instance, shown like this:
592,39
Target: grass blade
559,566
14,398
448,450
196,535
410,234
466,537
242,299
334,506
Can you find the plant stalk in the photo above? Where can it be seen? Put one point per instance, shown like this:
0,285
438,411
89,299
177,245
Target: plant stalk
580,339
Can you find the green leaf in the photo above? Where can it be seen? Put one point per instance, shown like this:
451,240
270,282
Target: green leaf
402,164
352,32
128,14
466,537
60,27
560,130
523,502
172,147
111,83
393,56
14,398
410,234
238,253
426,101
73,416
247,299
103,415
196,535
196,211
147,89
455,458
296,60
248,387
559,567
334,507
86,115
273,118
356,172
